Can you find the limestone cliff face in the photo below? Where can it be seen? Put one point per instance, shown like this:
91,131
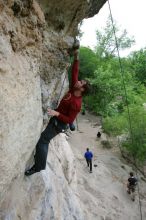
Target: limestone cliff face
34,36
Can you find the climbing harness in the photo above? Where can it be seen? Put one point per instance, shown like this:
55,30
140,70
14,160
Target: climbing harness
125,91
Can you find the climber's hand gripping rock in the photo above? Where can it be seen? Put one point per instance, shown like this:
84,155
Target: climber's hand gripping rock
52,112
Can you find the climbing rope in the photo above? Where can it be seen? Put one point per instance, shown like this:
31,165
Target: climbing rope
125,91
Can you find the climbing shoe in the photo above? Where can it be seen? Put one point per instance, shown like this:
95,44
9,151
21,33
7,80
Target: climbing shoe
30,171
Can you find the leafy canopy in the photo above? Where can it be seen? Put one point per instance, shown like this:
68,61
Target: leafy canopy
108,97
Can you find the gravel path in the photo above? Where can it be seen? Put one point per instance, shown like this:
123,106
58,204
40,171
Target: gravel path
103,193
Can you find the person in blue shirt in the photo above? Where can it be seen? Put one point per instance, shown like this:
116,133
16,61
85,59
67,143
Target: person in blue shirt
88,156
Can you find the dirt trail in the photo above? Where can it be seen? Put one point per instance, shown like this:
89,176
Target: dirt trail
103,192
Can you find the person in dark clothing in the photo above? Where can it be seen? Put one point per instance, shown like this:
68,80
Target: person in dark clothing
65,113
131,185
88,156
98,134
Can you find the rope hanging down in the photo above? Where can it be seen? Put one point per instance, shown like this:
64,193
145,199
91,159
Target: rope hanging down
125,91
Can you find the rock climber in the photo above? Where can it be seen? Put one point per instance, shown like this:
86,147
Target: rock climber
88,156
64,114
131,185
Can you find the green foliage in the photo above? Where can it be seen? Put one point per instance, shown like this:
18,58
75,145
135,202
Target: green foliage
112,91
88,62
134,125
106,46
115,125
138,65
108,94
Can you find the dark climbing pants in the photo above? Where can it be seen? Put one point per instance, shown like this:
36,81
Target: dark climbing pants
89,163
53,128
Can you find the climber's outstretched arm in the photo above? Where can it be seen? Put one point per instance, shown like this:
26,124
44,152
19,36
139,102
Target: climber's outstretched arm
75,68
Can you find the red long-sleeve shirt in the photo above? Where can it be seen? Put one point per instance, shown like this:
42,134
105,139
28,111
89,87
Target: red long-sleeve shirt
70,105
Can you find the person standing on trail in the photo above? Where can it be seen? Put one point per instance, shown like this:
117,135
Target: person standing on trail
131,185
64,114
88,156
98,134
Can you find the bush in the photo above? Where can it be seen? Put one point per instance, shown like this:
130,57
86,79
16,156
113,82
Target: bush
136,130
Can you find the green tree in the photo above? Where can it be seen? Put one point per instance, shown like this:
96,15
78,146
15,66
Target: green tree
108,96
88,63
134,130
138,65
106,46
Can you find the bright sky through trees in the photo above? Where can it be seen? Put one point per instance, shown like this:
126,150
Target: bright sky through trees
129,15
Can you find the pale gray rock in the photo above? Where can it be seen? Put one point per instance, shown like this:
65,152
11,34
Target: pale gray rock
50,194
34,39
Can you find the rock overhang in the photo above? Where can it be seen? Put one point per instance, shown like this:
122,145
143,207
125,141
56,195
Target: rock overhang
65,15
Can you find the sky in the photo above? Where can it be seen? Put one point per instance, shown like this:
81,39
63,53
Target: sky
129,15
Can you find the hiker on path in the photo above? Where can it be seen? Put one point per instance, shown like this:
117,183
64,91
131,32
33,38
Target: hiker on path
88,156
65,113
131,185
98,134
